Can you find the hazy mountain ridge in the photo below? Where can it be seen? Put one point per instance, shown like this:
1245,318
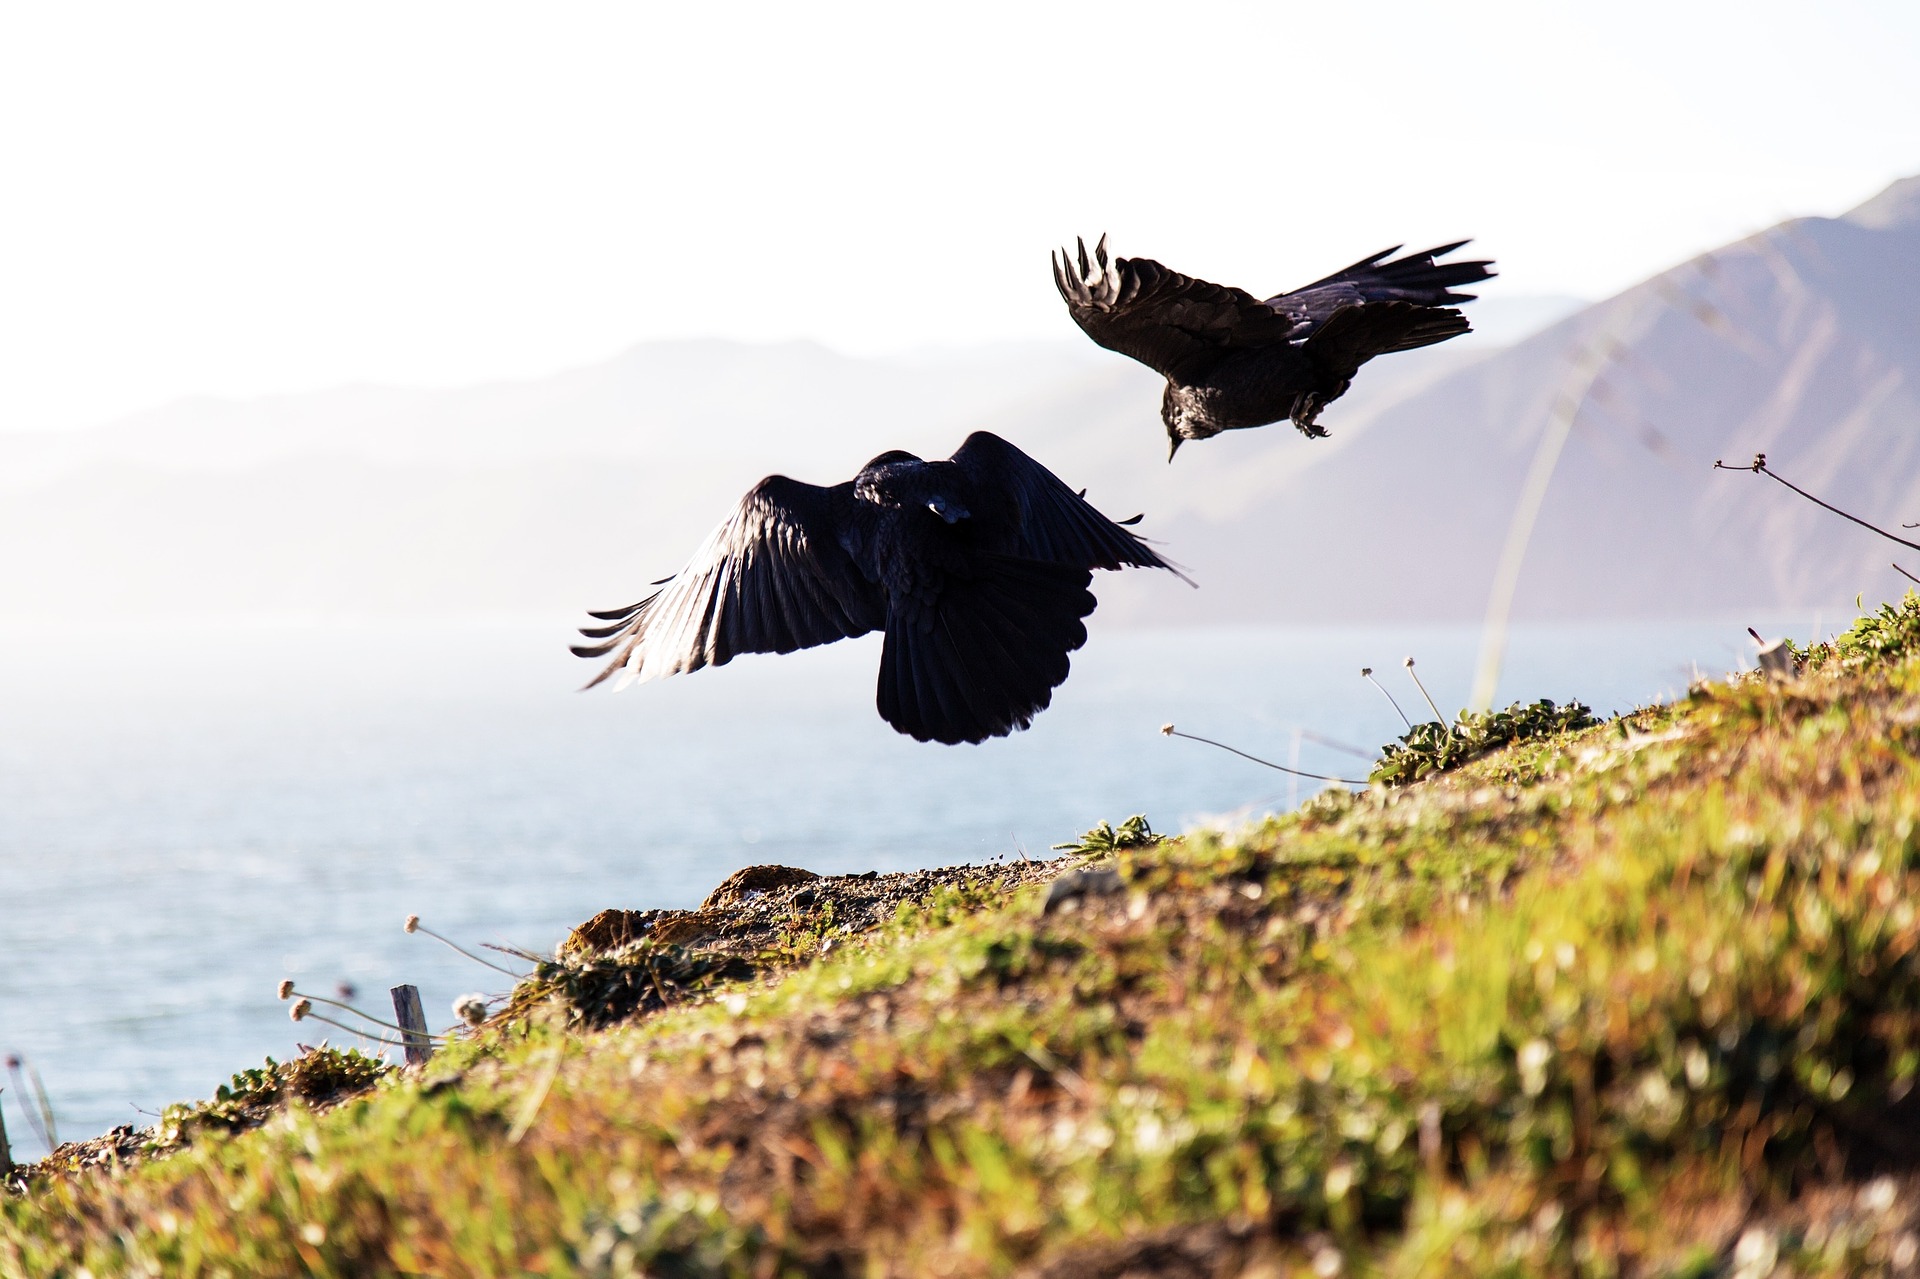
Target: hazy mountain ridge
554,494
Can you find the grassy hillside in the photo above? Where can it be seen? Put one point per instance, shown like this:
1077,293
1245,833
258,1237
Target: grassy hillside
1639,998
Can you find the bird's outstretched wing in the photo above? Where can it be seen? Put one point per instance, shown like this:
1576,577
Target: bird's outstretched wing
1056,524
771,579
1171,323
1417,278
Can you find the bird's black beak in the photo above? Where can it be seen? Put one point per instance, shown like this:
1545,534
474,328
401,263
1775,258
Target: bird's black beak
1173,445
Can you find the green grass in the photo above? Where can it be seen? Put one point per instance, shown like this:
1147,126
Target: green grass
1594,1002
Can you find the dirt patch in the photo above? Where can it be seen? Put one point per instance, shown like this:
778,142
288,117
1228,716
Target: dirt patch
758,909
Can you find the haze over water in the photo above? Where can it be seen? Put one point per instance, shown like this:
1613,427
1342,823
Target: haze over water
189,814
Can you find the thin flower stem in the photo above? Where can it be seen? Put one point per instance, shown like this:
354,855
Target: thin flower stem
1437,716
1366,673
1170,731
322,999
361,1031
451,945
1902,572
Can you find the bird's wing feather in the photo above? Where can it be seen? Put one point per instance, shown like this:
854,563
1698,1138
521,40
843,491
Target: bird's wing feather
1171,323
1416,278
772,578
1056,524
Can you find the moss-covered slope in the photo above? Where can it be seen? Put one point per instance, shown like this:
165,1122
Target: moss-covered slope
1640,998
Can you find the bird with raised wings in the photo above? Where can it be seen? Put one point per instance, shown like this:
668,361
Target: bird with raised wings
977,568
1233,361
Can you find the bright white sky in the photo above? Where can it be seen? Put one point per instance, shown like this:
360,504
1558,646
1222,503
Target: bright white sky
255,197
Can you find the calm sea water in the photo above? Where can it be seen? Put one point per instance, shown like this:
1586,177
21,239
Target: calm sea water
188,815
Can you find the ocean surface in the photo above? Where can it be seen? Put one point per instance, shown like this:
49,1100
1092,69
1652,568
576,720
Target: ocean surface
190,814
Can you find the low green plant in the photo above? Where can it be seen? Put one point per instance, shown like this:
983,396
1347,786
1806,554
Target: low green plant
317,1076
1434,747
1885,635
1106,838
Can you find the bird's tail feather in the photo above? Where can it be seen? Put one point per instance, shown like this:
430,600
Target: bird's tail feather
1355,334
983,659
1417,277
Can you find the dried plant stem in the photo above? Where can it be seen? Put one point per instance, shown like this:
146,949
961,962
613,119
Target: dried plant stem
1759,467
1902,572
1332,745
1170,731
39,1109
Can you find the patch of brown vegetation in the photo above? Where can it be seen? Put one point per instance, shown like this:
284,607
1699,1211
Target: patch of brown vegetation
758,910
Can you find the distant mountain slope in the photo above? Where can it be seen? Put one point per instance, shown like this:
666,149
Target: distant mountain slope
554,494
1802,342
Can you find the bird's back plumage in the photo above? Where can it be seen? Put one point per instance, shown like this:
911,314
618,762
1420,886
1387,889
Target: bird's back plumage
1234,361
976,567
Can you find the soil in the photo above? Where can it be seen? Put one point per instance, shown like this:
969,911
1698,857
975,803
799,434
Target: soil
751,911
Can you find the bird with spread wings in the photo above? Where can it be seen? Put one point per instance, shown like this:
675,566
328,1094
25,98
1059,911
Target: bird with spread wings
1233,361
977,568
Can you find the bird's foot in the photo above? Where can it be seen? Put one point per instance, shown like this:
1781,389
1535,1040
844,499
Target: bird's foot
1306,414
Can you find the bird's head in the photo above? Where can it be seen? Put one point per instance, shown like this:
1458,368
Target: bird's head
903,481
1185,417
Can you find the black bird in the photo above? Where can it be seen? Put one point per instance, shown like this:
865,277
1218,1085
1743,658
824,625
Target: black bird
1232,361
977,568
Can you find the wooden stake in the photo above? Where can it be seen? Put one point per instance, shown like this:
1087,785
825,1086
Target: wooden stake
413,1022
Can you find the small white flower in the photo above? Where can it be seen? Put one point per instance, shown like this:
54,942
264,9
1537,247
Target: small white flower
286,988
1698,1067
300,1009
471,1009
1754,1256
1532,1060
413,923
1878,1195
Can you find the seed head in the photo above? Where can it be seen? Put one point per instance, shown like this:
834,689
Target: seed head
301,1007
286,987
1166,730
413,923
1409,663
1366,672
471,1009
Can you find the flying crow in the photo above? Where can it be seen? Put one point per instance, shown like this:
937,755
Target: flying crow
976,568
1232,361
